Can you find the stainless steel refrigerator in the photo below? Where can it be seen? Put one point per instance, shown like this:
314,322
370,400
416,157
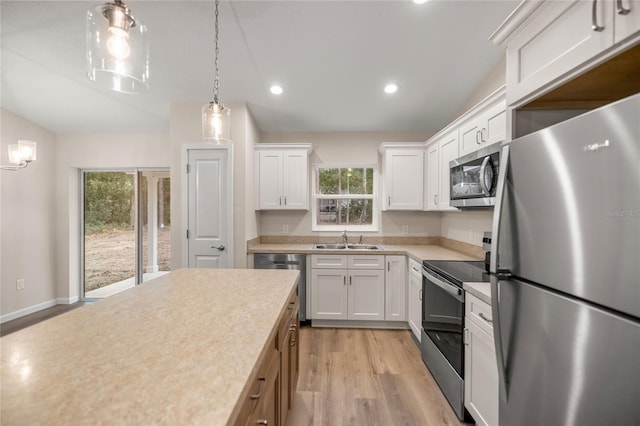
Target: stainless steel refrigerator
566,272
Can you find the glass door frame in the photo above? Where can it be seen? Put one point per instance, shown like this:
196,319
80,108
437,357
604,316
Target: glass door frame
138,220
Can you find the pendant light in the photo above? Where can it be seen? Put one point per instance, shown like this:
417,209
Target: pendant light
117,48
215,116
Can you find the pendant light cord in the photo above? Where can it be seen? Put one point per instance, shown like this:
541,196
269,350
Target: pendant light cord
216,84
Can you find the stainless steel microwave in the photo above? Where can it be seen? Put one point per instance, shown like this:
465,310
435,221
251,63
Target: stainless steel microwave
474,178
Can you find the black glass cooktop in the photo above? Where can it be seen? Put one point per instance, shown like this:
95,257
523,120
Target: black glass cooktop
458,271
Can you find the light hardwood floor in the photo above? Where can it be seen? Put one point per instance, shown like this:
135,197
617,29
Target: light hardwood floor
365,377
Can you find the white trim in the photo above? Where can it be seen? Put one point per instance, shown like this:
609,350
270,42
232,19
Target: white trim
373,197
26,311
185,198
283,147
67,300
402,325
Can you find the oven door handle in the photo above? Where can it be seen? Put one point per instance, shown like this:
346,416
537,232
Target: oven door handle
455,291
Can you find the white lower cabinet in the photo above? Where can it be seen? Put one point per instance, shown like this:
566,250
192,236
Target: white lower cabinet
341,293
358,287
415,298
481,371
396,288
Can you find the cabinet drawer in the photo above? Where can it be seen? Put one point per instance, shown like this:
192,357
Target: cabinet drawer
329,261
286,321
364,261
479,312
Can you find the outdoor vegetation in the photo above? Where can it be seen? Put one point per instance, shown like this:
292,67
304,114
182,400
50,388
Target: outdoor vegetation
109,227
344,195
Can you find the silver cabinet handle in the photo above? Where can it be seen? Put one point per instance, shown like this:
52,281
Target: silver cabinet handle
389,200
481,315
350,280
435,199
344,280
621,9
483,135
477,137
262,422
594,17
420,295
285,200
220,247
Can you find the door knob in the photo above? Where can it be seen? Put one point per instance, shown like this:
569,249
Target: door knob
220,247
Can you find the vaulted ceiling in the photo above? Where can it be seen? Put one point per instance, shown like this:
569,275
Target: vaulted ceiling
332,58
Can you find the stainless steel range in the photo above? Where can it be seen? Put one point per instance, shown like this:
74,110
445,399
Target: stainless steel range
442,343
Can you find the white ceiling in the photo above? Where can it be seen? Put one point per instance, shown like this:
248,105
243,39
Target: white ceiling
333,59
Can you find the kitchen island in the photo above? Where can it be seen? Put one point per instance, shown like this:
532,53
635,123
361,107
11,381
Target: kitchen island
181,349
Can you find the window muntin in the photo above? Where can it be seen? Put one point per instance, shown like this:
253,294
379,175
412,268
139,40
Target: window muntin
344,198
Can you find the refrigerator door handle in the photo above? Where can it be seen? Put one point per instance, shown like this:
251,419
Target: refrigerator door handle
497,217
497,337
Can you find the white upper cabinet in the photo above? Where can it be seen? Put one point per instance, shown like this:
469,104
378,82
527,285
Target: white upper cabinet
487,127
433,176
282,176
403,172
547,41
439,153
627,19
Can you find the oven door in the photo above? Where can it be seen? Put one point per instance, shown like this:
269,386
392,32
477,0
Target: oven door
443,317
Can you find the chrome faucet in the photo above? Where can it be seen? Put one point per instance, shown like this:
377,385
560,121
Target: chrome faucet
344,237
360,240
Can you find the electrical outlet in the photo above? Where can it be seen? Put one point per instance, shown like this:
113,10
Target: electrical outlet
405,230
285,229
20,284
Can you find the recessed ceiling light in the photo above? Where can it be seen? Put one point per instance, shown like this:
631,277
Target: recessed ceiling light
391,88
419,1
276,89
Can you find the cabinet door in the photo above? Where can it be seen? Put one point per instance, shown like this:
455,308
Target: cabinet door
494,124
366,295
470,136
481,376
404,179
269,180
329,294
415,304
395,304
448,151
626,23
556,40
433,177
295,178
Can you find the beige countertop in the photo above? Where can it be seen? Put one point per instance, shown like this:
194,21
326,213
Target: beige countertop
175,350
417,252
481,290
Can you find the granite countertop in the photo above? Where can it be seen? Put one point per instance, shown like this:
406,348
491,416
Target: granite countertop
417,252
481,290
179,349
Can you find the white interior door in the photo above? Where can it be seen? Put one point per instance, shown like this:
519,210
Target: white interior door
209,234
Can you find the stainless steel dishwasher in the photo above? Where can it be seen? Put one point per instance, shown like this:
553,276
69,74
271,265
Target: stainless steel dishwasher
297,262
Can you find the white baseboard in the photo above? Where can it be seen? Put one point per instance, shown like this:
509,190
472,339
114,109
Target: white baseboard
67,301
26,311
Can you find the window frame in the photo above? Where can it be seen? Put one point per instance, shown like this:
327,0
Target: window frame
373,227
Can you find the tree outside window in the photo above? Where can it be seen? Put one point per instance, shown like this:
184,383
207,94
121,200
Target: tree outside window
344,198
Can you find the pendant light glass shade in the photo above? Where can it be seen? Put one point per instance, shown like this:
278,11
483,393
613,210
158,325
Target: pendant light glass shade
216,120
117,49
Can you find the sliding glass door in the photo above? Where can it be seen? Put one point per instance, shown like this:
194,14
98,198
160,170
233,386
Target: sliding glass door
126,226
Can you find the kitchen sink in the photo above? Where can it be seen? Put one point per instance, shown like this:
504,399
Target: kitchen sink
363,247
330,246
346,247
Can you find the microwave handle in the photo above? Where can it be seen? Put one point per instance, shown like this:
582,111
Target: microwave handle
485,162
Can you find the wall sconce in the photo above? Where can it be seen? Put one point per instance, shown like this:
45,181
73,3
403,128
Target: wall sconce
20,155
